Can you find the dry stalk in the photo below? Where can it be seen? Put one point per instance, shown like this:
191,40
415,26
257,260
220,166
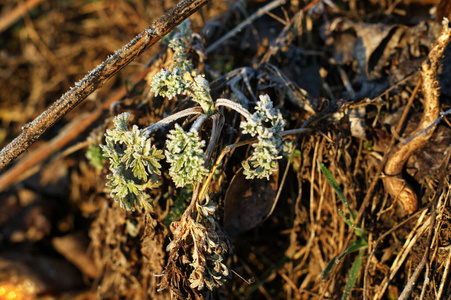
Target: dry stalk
375,245
445,276
265,9
432,230
97,77
394,183
421,227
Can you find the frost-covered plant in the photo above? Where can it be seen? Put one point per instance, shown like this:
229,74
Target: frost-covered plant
184,153
169,84
267,150
181,78
197,251
179,46
134,162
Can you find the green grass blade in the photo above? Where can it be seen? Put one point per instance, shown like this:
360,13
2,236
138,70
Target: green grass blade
357,230
353,275
353,247
336,188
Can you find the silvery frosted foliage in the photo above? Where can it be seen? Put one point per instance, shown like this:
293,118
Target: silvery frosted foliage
168,83
263,160
134,162
201,94
179,46
179,43
181,78
184,153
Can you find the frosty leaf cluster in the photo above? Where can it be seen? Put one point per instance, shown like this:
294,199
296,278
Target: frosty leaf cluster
169,84
179,46
134,162
181,78
266,124
184,153
201,94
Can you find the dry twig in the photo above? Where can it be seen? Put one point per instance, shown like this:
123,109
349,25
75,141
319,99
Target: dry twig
97,77
70,132
394,184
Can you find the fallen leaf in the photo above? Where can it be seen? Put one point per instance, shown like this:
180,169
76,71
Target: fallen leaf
248,202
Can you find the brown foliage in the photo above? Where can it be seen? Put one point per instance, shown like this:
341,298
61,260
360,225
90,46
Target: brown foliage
345,77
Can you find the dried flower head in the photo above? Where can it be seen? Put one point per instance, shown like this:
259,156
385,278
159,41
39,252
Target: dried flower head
196,254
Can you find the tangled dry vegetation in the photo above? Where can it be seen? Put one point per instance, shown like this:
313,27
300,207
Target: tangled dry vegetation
359,208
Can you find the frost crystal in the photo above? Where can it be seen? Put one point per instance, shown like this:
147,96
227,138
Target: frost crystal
184,153
134,162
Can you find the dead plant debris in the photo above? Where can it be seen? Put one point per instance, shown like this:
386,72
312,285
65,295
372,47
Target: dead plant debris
364,89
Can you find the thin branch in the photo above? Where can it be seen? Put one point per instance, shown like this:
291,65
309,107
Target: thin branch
97,77
268,7
20,170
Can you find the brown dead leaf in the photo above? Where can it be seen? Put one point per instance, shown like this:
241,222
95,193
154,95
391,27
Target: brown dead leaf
248,202
374,45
